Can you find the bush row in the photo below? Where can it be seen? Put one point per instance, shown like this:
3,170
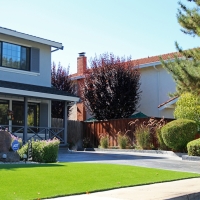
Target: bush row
174,135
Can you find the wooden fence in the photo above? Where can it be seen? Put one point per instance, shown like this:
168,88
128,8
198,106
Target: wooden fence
74,130
94,130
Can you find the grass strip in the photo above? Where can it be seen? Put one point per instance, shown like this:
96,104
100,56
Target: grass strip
37,181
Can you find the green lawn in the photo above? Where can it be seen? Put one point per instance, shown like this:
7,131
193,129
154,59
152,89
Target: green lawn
32,181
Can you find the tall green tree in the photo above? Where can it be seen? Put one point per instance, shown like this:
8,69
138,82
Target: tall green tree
111,88
188,107
185,68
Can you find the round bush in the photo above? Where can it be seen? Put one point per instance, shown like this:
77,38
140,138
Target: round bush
104,142
176,134
193,148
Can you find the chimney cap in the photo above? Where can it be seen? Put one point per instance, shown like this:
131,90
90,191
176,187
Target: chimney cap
82,54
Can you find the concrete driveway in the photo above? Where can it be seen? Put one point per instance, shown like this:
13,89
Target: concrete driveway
151,160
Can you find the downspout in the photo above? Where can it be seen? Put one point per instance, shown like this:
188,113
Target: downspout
57,49
158,88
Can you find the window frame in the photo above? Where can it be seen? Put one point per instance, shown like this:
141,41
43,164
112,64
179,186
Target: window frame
28,57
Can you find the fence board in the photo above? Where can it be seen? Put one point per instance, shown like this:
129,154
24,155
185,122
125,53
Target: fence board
74,130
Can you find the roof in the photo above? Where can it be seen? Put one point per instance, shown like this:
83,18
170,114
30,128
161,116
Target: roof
148,61
133,116
138,115
35,91
25,36
154,59
168,103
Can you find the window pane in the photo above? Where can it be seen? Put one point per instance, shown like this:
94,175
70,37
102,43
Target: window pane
15,56
32,117
3,112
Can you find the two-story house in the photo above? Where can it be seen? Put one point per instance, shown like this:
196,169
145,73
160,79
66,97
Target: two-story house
156,84
25,86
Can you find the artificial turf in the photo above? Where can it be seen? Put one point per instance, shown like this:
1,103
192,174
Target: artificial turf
37,181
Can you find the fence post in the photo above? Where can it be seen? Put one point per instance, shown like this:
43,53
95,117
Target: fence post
65,123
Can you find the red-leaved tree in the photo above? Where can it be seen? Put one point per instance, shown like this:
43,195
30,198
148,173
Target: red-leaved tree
111,88
60,80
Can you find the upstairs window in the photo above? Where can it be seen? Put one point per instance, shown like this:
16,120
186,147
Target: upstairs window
14,56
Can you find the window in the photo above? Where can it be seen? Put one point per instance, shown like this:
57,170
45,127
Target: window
14,56
3,112
33,114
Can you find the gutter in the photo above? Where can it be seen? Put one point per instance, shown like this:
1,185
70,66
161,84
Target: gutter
57,49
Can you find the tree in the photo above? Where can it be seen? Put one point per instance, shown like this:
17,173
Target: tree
186,68
188,107
111,87
60,80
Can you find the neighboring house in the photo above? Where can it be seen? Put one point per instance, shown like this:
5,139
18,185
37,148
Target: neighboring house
156,84
25,86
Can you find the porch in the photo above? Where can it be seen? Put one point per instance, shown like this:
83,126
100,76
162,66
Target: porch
25,110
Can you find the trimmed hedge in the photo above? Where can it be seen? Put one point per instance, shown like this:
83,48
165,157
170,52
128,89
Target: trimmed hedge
178,133
193,148
45,151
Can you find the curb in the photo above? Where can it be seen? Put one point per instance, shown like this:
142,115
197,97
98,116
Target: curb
171,153
192,196
191,158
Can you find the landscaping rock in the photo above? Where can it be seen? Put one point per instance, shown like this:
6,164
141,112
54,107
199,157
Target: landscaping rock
10,157
5,141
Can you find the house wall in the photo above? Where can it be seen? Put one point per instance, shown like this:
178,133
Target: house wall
43,78
156,84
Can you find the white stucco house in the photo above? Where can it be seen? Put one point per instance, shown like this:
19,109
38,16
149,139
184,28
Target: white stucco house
25,86
156,84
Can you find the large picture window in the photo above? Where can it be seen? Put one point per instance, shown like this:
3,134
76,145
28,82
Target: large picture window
14,56
33,114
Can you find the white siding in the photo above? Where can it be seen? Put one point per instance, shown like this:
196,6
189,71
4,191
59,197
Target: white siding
43,78
156,84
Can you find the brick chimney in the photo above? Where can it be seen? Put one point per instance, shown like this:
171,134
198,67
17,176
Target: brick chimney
81,63
81,68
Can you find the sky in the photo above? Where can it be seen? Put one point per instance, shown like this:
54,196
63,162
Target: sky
136,28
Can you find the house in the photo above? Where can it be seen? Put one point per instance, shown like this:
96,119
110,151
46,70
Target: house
25,86
156,84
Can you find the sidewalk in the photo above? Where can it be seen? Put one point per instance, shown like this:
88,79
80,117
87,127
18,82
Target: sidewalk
188,189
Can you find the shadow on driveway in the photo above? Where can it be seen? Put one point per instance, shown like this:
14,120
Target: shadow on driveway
65,156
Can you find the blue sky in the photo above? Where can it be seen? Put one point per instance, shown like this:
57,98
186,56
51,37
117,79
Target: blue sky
136,28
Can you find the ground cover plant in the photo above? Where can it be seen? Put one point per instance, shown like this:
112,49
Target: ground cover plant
37,181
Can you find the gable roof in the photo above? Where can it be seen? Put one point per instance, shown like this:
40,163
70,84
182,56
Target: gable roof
25,36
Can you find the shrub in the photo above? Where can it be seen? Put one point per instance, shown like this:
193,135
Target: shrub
188,107
146,132
122,139
193,148
104,141
178,133
45,151
161,142
142,135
